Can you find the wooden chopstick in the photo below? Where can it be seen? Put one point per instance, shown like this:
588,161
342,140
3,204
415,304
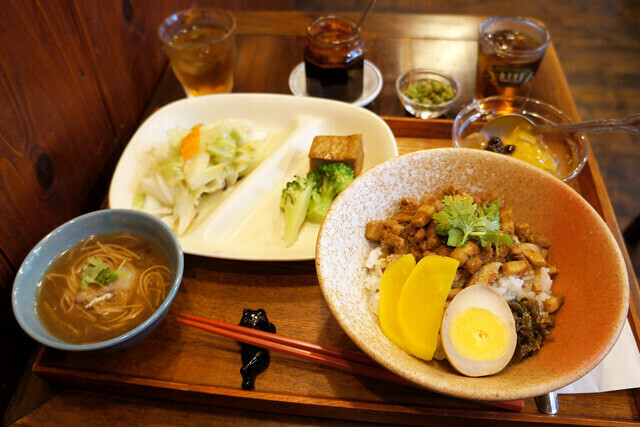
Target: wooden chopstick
349,361
293,342
322,359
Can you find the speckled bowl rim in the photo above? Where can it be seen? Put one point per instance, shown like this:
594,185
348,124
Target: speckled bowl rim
457,388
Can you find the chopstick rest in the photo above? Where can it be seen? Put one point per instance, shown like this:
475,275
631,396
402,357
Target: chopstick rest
255,360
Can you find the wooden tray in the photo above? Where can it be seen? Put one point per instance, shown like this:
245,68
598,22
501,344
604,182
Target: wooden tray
185,364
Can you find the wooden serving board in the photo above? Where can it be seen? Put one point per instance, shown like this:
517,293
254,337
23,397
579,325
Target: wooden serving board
185,364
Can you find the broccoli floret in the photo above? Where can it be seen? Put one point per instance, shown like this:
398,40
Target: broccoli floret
315,176
331,179
294,201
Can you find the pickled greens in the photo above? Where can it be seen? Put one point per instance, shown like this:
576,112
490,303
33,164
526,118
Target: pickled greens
176,184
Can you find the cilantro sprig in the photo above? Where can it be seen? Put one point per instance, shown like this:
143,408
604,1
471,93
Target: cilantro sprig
97,271
462,219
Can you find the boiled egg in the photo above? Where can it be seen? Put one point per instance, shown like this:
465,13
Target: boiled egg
478,332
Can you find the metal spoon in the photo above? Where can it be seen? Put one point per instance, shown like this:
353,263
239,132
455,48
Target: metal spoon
365,13
548,403
503,126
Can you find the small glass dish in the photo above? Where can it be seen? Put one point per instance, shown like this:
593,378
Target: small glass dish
569,149
426,110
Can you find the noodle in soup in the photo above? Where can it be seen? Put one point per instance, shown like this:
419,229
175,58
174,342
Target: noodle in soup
103,287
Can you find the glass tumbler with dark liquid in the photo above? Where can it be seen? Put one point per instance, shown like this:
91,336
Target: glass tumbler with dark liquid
509,53
334,59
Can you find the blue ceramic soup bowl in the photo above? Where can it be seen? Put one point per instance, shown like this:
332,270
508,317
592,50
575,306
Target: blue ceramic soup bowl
33,268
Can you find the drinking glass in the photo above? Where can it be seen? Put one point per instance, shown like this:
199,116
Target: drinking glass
201,49
509,53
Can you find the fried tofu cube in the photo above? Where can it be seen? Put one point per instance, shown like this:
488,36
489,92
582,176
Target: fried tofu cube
331,148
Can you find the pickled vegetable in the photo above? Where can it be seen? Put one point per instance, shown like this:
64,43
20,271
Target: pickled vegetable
429,92
421,304
532,326
391,284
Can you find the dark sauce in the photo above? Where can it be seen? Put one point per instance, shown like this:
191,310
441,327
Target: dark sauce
343,83
334,59
255,360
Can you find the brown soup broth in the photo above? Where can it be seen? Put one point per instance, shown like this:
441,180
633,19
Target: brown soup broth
88,316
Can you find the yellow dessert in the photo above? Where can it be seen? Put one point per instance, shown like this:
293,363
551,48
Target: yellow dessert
530,150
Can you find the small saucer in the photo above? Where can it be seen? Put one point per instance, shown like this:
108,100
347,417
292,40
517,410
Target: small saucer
372,83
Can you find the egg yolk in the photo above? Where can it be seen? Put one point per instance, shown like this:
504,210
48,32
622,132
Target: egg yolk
479,334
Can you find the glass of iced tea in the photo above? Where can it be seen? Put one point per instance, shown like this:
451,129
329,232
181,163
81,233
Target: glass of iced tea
509,53
201,49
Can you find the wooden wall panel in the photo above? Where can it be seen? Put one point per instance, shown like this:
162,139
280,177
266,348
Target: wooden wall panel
74,79
126,54
51,107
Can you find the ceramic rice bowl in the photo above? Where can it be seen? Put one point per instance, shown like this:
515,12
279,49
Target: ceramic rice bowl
592,275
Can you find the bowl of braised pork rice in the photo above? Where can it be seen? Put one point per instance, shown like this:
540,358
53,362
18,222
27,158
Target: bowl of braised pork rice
472,274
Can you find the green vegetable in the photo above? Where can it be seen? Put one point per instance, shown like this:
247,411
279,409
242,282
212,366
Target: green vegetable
294,201
170,170
223,147
198,165
461,219
97,271
532,327
311,197
331,179
139,201
235,135
429,92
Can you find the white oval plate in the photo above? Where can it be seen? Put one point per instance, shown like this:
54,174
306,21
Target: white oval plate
245,221
372,83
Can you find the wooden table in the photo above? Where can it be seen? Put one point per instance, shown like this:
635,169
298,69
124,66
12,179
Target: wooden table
182,376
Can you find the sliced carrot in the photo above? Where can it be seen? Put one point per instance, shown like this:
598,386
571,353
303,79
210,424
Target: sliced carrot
190,144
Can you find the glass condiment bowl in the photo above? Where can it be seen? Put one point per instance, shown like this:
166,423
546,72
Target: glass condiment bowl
569,149
421,110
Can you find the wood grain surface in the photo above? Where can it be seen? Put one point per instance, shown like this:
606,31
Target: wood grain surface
72,102
75,78
185,364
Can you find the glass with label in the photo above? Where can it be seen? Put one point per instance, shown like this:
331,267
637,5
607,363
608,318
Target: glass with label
509,53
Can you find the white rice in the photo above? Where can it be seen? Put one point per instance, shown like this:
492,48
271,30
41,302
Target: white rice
514,287
374,265
533,285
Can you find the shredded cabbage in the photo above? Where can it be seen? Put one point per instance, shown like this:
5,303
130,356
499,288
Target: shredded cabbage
171,170
173,188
